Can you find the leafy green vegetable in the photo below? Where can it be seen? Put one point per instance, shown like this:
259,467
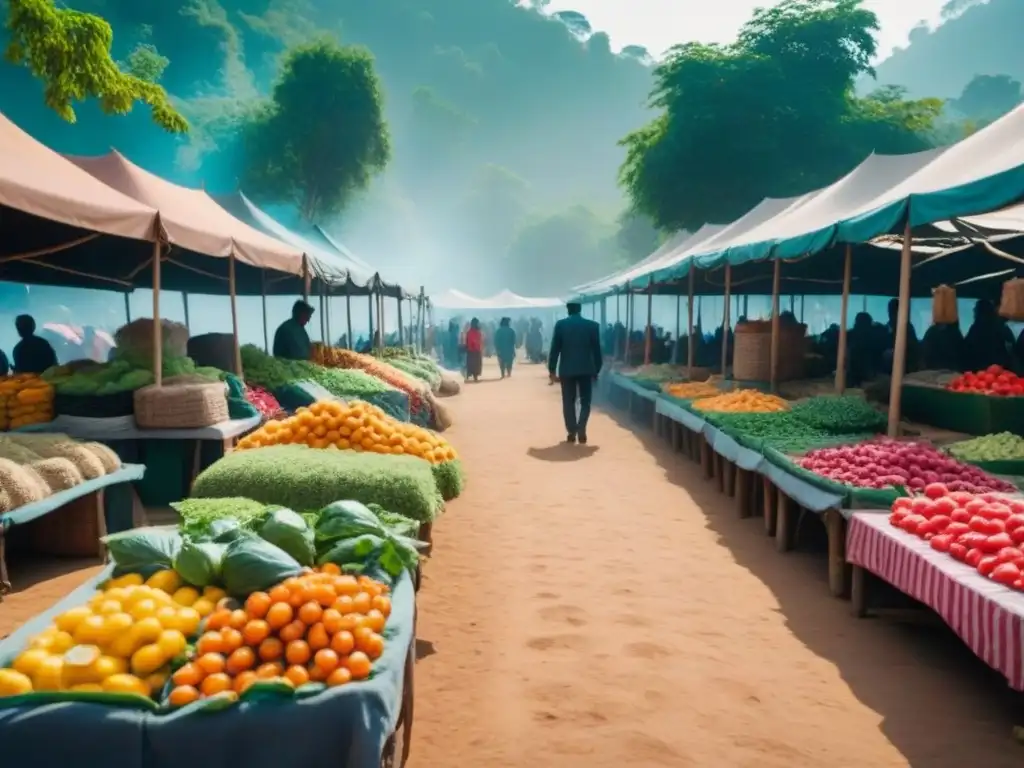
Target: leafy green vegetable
397,524
199,515
347,519
143,548
450,479
252,564
224,530
289,531
200,562
839,414
298,477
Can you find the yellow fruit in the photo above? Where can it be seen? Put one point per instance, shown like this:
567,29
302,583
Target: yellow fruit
13,683
147,630
87,688
128,580
143,609
167,581
90,631
108,606
60,642
204,607
105,666
156,681
125,644
166,616
214,594
81,656
27,662
49,674
116,593
69,620
148,659
186,596
186,620
171,642
126,684
115,625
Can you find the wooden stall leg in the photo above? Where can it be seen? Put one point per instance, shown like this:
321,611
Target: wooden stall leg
741,492
140,519
74,530
197,461
705,458
768,505
730,478
677,437
101,524
656,420
859,591
835,524
784,523
719,471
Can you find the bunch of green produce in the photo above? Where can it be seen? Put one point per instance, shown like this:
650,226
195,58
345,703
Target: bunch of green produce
839,414
1004,446
418,367
659,372
391,353
119,375
198,514
273,373
777,426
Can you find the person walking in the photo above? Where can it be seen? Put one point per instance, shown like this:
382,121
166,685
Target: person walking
474,351
575,360
505,346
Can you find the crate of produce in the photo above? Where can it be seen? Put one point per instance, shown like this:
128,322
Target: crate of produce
966,412
998,454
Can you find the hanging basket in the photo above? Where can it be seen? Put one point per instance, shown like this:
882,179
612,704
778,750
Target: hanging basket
181,406
1012,304
752,351
944,308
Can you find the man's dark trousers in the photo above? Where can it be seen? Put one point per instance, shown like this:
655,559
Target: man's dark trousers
573,387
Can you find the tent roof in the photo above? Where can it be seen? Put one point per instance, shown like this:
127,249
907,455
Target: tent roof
609,281
191,218
38,181
389,288
455,299
318,234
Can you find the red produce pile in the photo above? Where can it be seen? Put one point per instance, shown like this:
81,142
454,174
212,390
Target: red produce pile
264,402
994,380
885,462
985,532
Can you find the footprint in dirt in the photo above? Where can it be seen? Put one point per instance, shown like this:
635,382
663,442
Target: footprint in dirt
557,643
649,651
570,614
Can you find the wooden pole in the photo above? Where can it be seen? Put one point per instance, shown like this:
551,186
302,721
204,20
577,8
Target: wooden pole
184,305
691,346
401,331
679,310
899,354
649,333
844,321
776,283
348,314
630,306
306,278
380,320
158,329
726,317
327,315
323,316
370,299
263,302
618,322
803,302
234,313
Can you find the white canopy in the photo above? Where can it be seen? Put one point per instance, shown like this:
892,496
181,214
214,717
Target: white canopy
455,299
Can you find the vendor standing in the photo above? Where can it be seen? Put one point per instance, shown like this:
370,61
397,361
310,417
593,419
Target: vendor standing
33,354
291,342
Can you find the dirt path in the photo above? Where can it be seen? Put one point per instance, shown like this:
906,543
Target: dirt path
605,607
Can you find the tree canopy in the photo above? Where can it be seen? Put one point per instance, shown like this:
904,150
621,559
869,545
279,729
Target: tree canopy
69,52
322,136
772,115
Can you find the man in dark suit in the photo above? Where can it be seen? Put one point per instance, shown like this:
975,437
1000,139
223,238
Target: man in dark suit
576,354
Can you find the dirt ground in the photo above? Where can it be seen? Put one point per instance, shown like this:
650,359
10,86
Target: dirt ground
604,606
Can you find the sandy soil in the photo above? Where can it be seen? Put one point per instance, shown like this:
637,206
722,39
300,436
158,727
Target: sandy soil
604,606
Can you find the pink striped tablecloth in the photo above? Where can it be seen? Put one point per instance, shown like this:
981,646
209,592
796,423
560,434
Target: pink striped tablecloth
987,616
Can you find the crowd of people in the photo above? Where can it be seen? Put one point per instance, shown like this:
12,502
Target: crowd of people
32,354
462,347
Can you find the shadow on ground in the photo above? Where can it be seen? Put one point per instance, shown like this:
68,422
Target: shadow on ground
920,679
562,452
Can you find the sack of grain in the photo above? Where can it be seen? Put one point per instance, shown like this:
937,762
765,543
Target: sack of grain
53,446
58,474
1012,304
20,486
944,308
451,383
111,461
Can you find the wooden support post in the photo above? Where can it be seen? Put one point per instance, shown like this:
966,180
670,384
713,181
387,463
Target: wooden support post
263,304
234,314
691,346
730,478
835,524
741,492
348,313
726,319
719,471
769,503
649,332
899,354
785,520
859,591
776,283
158,329
401,329
184,307
843,321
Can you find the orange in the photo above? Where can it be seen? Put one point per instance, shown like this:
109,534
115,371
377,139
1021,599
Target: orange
244,680
241,660
187,675
297,652
310,613
210,663
372,646
330,568
239,619
278,594
257,605
317,637
340,676
211,642
218,619
344,605
296,630
362,602
374,619
346,585
359,665
296,675
255,632
361,633
279,615
271,649
324,594
326,659
182,695
269,670
343,643
231,638
383,604
216,683
317,675
333,621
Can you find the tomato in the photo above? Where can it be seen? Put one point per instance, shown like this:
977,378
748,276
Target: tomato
957,551
993,544
935,490
897,517
910,523
979,524
1010,555
1005,573
974,557
960,516
972,540
974,506
987,564
902,503
997,512
941,542
955,529
940,523
994,527
1017,534
1014,521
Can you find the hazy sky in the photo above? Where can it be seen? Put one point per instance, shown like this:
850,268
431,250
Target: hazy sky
659,24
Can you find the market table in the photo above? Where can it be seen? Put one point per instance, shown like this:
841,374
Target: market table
359,725
987,616
76,531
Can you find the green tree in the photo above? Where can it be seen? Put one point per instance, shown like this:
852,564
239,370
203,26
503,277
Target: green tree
322,136
69,52
772,115
988,97
146,63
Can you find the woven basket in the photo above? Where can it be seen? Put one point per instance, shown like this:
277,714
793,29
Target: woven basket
752,352
185,406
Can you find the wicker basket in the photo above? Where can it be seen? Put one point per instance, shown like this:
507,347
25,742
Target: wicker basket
752,352
185,406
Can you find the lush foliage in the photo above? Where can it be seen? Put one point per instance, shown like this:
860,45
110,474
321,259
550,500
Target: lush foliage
322,135
69,52
772,115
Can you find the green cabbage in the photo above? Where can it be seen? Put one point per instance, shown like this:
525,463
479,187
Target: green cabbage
289,531
199,562
252,564
143,548
347,519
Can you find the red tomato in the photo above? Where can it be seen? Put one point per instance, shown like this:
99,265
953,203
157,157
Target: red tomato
993,544
903,502
897,516
940,523
1005,573
957,551
1013,522
997,512
979,524
941,542
1017,534
935,490
974,557
987,564
910,523
1010,555
956,529
960,516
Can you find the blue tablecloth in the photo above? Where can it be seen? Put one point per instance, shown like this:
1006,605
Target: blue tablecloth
677,413
344,727
729,449
625,382
126,474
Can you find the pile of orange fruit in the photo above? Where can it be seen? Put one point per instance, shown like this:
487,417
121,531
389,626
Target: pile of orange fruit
322,626
690,390
356,426
742,401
